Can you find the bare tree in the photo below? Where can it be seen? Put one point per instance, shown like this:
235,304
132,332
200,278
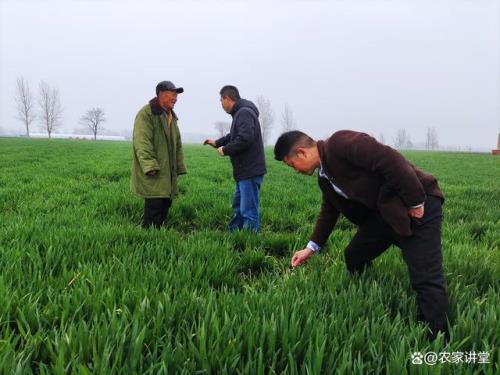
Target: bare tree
409,143
287,119
93,120
381,138
431,140
402,138
222,128
266,117
50,108
25,105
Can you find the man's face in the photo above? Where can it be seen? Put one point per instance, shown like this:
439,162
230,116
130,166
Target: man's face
167,99
227,104
301,161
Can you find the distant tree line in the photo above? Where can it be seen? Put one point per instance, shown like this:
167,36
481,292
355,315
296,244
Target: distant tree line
401,141
49,110
49,116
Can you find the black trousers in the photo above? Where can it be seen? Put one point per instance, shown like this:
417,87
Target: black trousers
155,211
422,254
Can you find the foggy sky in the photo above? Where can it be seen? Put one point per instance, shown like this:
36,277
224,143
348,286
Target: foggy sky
373,66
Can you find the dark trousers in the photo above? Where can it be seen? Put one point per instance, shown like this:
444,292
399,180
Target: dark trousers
421,253
155,211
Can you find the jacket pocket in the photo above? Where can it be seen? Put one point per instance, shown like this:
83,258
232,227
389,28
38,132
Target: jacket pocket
393,210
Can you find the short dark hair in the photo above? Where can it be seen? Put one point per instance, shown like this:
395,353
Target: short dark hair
289,142
230,92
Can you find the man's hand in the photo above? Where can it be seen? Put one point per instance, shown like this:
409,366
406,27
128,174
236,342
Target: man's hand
301,256
417,212
210,142
221,151
152,173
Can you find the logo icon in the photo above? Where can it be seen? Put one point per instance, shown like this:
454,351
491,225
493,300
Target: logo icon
417,358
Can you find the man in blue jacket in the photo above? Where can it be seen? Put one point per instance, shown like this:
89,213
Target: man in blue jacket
245,148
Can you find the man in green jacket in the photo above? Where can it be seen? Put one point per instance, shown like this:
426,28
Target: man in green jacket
158,157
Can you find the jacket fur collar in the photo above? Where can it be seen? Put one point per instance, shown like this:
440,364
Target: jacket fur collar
157,109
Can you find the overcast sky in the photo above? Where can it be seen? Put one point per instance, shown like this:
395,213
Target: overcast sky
373,66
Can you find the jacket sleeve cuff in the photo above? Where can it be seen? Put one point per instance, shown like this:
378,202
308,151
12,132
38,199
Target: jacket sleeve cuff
311,245
227,150
220,142
181,169
149,168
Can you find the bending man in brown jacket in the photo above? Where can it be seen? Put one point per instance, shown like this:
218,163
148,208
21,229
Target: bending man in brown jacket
390,200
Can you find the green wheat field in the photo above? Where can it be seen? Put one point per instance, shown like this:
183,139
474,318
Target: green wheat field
85,290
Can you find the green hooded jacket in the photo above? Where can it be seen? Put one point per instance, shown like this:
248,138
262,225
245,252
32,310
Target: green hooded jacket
156,147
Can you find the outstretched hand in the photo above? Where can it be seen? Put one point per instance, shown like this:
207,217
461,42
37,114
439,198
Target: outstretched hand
301,256
209,142
417,213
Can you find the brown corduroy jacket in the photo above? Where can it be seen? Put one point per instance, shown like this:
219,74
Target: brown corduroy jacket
375,177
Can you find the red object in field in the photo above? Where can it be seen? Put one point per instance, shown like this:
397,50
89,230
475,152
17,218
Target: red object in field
497,150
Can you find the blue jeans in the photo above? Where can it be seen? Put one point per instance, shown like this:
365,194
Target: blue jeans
246,205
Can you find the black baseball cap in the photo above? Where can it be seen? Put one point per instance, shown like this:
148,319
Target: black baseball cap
168,86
